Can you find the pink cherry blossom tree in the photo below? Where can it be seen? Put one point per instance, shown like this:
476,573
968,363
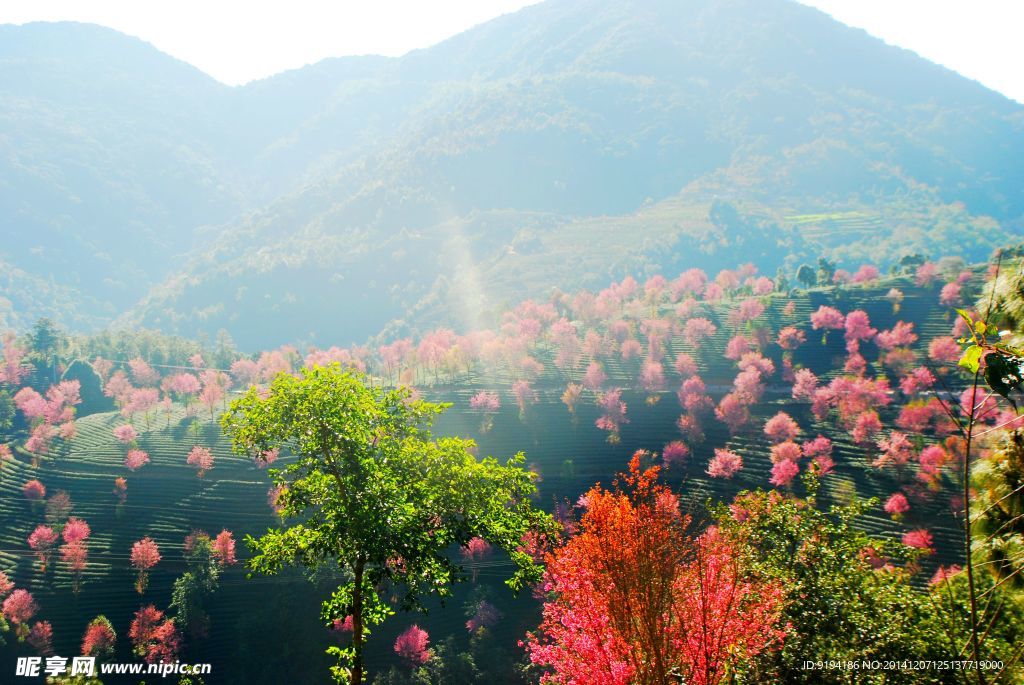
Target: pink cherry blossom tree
144,556
200,458
412,645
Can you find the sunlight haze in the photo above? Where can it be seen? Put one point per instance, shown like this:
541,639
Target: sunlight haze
237,42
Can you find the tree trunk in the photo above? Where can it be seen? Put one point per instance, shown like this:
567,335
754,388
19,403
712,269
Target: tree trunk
357,625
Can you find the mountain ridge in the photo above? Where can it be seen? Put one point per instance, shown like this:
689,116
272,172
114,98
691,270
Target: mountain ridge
366,180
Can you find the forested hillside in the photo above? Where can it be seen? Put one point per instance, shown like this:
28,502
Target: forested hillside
628,137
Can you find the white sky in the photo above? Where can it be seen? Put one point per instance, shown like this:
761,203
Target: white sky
237,41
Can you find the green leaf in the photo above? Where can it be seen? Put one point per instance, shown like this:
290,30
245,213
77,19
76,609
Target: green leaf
971,358
967,319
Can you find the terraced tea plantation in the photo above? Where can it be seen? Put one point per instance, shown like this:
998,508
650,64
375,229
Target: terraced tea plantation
166,500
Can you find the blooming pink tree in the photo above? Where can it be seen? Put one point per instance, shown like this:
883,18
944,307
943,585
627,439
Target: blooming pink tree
926,274
652,377
75,555
826,319
224,548
40,637
200,458
920,539
246,372
184,386
805,384
737,347
896,449
41,541
135,460
685,365
145,555
142,373
413,646
791,338
725,464
690,282
19,608
692,396
917,380
733,412
140,401
594,378
613,413
695,331
897,505
900,335
781,427
950,294
126,434
524,395
867,273
944,350
211,396
783,472
785,451
571,397
858,328
473,552
487,404
13,369
675,452
33,490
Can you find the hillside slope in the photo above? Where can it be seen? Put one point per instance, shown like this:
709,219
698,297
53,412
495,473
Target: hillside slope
365,190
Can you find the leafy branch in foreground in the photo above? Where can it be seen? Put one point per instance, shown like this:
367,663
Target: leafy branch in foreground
374,495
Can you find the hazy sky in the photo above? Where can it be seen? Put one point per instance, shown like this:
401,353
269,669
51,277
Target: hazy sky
238,41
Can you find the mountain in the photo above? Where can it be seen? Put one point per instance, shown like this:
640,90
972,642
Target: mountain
570,142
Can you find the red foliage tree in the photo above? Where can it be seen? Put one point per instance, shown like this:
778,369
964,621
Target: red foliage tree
634,599
145,555
99,638
153,637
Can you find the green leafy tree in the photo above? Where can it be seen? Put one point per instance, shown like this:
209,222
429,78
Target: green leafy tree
194,585
840,606
826,270
371,492
46,342
807,276
781,280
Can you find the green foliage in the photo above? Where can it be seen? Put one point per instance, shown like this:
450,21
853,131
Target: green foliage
153,346
807,276
1001,619
7,412
46,344
373,493
90,388
997,509
839,606
192,587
